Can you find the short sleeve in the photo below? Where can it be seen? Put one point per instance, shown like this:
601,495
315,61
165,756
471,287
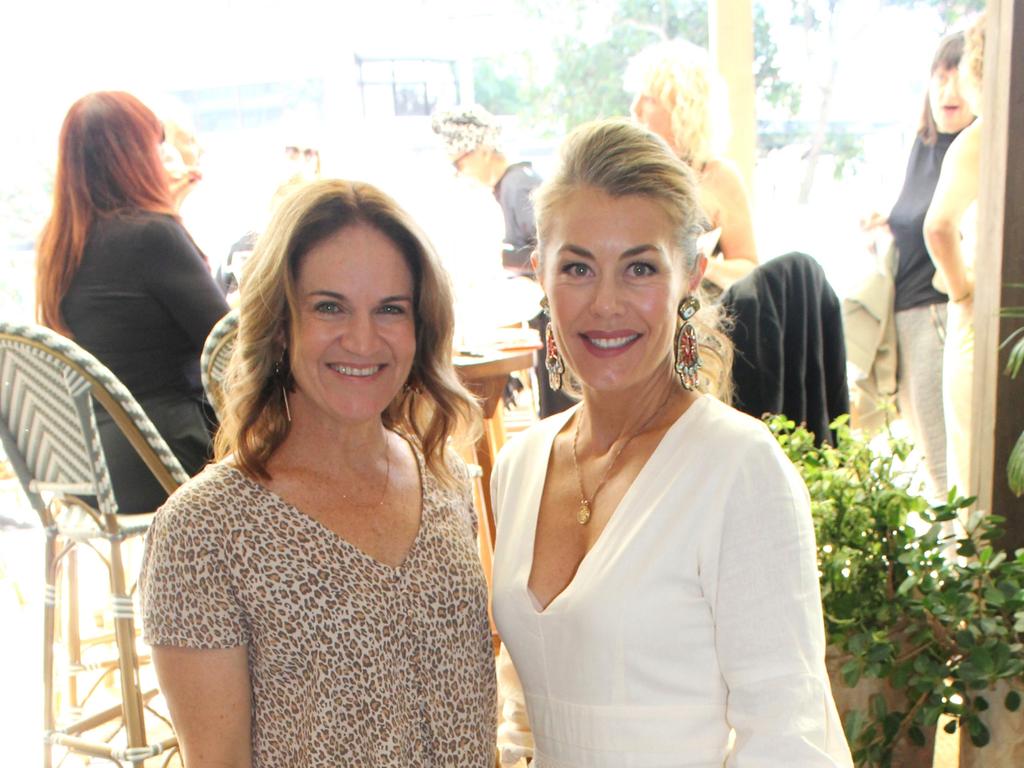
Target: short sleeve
464,486
189,595
762,585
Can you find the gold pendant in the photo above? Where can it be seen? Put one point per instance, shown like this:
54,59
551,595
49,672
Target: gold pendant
583,515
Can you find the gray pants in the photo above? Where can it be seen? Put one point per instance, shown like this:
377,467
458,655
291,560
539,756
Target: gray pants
921,333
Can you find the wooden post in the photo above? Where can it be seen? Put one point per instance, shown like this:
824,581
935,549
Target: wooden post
998,408
731,36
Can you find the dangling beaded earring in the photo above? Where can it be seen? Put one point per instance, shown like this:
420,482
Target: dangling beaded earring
687,350
552,358
281,377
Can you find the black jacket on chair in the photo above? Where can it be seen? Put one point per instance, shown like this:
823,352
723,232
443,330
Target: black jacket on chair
790,352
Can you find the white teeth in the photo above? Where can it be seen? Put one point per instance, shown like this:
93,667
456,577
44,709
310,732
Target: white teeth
369,371
614,343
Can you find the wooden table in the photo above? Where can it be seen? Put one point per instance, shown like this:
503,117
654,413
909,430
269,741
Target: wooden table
485,377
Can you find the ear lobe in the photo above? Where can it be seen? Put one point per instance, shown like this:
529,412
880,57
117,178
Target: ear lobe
535,264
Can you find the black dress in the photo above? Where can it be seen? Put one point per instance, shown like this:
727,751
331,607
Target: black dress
143,302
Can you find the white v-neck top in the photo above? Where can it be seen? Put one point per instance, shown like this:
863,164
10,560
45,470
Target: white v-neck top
696,612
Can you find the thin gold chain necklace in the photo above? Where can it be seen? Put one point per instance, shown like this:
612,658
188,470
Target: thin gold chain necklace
586,507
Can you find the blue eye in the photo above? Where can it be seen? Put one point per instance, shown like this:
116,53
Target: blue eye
392,309
641,269
326,307
576,269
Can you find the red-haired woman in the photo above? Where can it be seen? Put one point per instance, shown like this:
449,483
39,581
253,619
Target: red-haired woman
118,273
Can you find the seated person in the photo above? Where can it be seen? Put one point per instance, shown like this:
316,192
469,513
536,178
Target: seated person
118,273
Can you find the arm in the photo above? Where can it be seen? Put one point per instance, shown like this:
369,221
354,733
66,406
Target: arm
728,202
208,695
515,739
956,190
761,579
178,276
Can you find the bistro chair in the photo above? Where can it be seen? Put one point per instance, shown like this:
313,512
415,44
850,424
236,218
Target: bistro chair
214,362
48,389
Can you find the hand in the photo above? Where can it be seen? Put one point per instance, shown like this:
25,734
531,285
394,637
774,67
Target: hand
182,185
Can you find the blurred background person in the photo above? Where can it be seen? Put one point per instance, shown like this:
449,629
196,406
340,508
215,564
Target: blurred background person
180,152
298,164
118,273
920,309
950,231
677,99
470,135
315,598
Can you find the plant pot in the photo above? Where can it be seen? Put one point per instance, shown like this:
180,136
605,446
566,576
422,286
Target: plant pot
1006,733
905,754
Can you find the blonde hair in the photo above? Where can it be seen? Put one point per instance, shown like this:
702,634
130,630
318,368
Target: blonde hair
973,61
621,160
678,76
431,407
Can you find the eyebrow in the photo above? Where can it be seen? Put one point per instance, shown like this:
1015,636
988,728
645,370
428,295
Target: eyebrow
629,253
342,297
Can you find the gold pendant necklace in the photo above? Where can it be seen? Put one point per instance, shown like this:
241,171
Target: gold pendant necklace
586,507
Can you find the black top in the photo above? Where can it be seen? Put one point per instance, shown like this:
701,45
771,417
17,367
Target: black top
915,269
513,195
790,355
143,302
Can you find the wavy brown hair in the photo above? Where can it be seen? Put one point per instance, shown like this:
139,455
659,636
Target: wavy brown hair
431,408
108,162
622,159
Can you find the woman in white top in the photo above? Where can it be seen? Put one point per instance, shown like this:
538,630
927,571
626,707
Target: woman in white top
655,578
950,232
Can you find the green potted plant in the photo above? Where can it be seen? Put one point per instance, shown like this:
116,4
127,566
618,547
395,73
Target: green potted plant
921,622
860,501
1014,362
967,619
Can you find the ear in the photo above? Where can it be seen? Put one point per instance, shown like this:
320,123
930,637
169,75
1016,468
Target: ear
698,272
535,266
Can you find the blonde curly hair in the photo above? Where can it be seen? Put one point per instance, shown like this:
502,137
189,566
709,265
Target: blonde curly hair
972,63
677,75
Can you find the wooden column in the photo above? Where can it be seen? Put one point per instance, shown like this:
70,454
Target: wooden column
998,413
731,36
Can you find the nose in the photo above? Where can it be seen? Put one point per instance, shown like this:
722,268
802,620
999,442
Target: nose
951,88
607,301
361,335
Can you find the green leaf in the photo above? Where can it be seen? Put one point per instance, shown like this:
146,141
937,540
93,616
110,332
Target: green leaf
916,736
1012,701
908,584
854,725
1015,467
950,727
878,708
995,596
980,735
980,703
851,672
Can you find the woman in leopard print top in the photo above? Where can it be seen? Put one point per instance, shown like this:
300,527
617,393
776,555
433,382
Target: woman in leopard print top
314,598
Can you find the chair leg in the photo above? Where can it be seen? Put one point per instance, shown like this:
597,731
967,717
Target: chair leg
124,628
74,631
49,626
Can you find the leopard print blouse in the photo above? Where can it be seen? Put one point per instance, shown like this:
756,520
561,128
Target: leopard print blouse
351,662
